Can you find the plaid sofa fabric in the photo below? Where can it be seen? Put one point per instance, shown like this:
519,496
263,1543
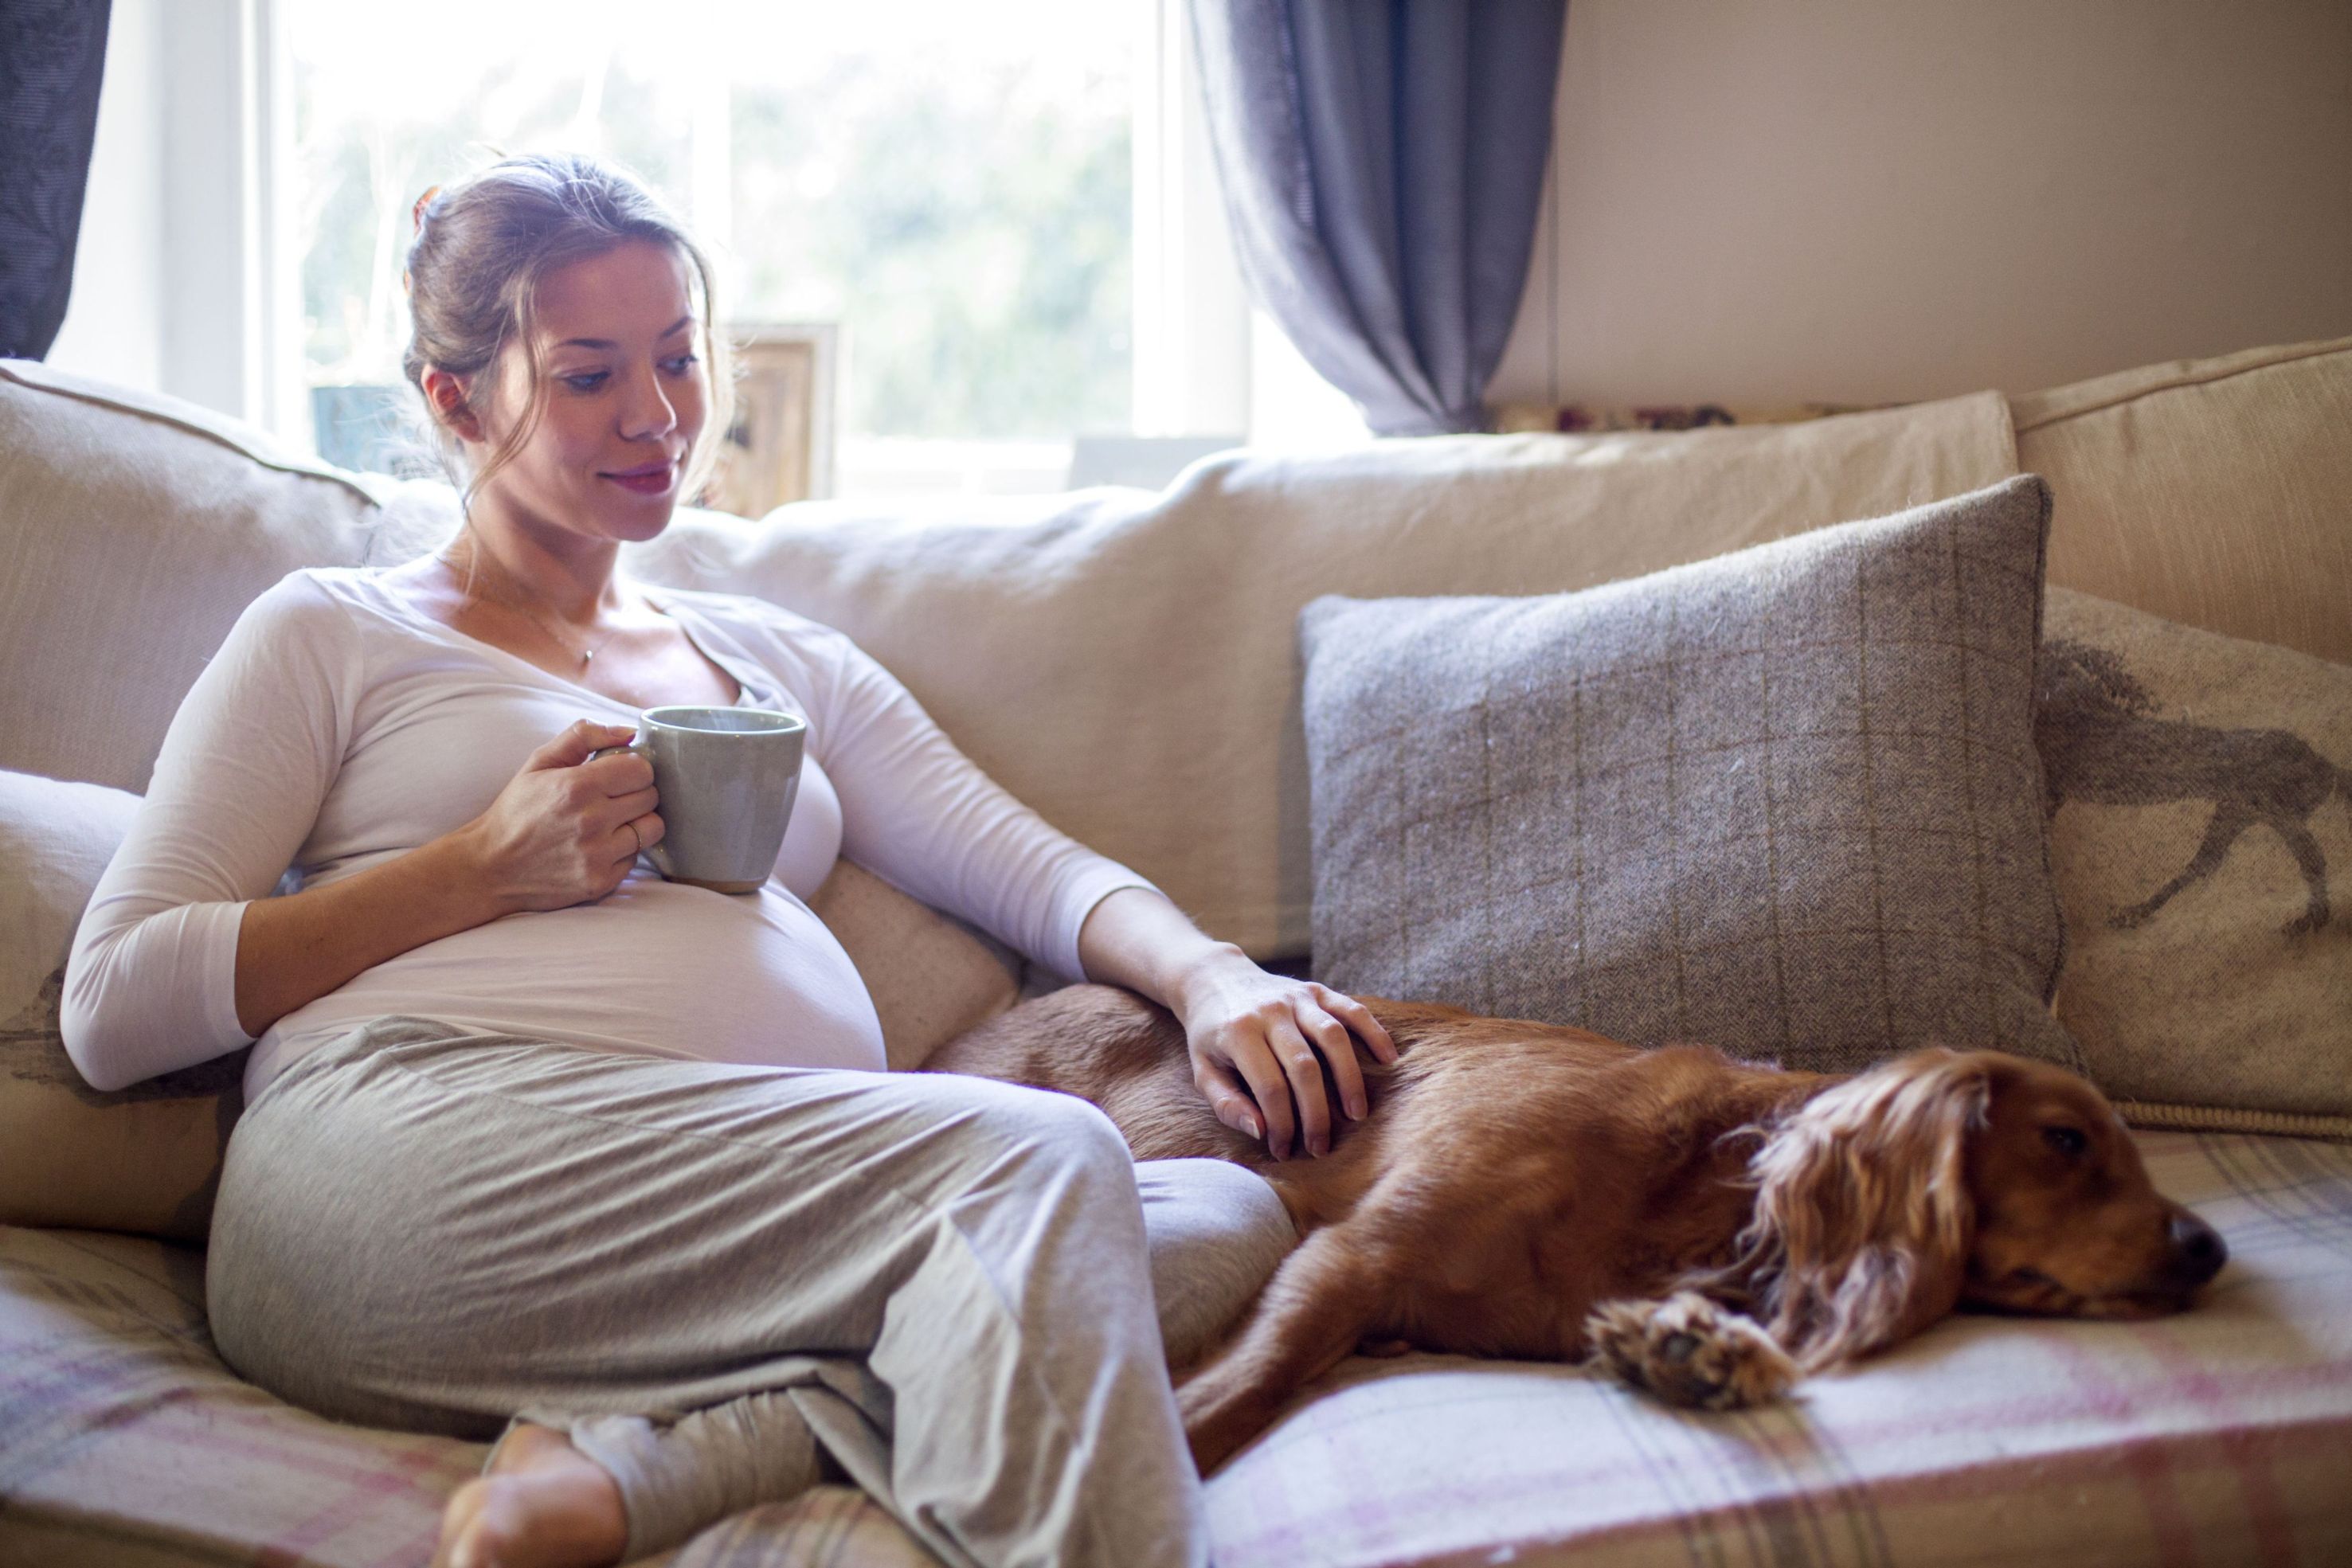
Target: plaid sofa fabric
126,1443
2221,1436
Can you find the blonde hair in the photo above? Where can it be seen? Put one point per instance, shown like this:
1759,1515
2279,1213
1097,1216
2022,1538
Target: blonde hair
482,245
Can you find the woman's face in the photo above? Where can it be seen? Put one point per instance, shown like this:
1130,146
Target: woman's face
625,396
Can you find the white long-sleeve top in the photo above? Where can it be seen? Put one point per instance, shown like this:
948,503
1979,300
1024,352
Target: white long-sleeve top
340,726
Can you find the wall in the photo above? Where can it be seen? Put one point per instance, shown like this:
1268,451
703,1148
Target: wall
1760,200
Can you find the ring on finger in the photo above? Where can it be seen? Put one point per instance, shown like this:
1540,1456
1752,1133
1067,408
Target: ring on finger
638,838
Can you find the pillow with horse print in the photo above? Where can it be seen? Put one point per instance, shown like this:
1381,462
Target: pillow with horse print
2201,797
1784,802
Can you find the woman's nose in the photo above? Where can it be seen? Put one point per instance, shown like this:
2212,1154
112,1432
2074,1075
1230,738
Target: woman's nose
648,412
2198,1253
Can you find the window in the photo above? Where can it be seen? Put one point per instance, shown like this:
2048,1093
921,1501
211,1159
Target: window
960,188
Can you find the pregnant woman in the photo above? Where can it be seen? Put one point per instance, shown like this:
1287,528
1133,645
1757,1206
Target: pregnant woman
540,1146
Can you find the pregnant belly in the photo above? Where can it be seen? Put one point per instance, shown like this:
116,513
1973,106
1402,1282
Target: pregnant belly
653,967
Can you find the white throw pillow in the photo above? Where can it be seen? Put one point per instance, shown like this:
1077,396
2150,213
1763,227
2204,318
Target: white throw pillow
55,840
145,1158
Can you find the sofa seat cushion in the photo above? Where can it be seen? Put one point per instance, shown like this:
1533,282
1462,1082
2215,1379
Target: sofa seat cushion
126,1443
2221,1436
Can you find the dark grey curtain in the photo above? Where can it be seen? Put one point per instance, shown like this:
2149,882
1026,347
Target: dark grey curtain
51,55
1381,162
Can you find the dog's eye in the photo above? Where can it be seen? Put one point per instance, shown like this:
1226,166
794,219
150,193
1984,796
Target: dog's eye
2068,1141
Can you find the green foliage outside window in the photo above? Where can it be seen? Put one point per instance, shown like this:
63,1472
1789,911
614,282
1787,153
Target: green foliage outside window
966,222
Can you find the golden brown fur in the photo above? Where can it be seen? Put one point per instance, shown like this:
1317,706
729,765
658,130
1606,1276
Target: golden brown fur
1525,1190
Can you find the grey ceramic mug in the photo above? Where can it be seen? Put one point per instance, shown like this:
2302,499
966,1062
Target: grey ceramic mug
727,778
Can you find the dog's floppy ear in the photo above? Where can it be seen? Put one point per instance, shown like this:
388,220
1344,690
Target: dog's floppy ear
1863,1222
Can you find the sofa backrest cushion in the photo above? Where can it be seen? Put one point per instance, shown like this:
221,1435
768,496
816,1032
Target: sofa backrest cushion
2216,493
1124,661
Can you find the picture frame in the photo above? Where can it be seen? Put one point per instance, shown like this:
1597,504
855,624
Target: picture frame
780,445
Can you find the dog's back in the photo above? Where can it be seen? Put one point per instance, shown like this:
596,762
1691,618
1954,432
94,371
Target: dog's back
1508,1176
1513,1106
1109,1046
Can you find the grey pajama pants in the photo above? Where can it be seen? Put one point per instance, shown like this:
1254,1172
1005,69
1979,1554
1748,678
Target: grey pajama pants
707,1273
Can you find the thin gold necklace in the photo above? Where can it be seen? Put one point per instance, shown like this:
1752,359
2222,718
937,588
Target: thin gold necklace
585,655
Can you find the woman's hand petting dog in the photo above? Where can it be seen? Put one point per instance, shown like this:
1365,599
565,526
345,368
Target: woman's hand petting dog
1709,1229
1260,1044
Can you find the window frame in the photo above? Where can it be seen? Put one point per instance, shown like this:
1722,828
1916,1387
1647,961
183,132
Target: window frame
1200,349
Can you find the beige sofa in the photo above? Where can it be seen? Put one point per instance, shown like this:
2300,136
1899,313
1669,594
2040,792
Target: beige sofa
1124,661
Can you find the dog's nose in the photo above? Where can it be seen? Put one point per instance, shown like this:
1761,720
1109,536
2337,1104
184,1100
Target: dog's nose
2198,1253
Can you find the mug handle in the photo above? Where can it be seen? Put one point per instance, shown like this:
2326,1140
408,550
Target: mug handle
643,746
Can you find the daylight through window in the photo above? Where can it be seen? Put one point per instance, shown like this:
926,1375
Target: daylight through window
949,185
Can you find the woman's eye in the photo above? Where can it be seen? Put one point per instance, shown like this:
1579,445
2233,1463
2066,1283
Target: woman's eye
586,382
2068,1141
682,362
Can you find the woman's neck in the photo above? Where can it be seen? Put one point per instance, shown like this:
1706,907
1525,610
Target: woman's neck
574,580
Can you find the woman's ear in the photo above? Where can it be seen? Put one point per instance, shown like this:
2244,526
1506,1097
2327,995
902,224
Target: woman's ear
1863,1222
447,394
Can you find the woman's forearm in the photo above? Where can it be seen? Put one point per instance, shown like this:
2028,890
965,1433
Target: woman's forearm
1260,1043
1136,937
294,949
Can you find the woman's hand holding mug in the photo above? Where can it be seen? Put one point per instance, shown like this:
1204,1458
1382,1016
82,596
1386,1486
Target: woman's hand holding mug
566,828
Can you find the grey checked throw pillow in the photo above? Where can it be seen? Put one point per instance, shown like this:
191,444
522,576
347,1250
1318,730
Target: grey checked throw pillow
1785,801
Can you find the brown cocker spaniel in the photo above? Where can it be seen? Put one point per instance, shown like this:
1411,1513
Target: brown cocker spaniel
1709,1228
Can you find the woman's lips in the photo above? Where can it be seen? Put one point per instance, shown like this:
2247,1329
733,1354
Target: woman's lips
652,482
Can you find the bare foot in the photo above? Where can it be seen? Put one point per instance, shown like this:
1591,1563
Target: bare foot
544,1504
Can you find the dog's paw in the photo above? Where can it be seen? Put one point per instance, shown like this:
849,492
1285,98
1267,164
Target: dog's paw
1689,1352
